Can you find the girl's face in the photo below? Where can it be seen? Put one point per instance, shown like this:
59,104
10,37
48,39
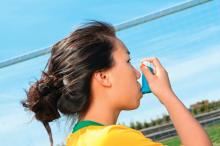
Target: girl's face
126,89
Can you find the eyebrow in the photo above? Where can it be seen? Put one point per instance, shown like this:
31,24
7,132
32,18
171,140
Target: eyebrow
128,52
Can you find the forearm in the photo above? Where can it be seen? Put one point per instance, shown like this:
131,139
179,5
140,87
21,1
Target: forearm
188,128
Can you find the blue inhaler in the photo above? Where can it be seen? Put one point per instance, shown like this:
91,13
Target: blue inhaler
145,86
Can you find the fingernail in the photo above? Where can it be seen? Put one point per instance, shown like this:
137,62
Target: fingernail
142,65
146,63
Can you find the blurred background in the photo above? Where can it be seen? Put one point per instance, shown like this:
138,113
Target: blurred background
186,42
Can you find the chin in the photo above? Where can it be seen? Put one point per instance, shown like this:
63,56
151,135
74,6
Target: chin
133,107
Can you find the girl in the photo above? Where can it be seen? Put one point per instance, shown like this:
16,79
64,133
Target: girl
90,78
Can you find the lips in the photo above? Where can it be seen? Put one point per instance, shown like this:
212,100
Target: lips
139,85
140,91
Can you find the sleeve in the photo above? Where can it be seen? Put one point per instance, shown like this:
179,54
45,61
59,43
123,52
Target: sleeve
124,136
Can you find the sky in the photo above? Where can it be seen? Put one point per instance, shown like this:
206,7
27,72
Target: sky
187,44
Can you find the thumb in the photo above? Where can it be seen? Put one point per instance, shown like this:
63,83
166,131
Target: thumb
147,73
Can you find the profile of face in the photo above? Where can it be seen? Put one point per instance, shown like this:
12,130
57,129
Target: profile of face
123,90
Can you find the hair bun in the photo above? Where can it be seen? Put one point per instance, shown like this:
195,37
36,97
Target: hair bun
47,84
43,96
43,89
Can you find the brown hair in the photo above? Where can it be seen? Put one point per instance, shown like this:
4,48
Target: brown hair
65,85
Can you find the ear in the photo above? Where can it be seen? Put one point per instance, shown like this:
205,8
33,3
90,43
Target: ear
102,78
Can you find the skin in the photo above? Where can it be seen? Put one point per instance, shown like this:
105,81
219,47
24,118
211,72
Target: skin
117,89
114,90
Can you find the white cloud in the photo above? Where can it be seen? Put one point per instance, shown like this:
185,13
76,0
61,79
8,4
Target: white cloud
189,67
12,121
167,44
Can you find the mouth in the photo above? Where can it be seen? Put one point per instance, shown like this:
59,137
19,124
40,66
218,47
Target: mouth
140,91
139,85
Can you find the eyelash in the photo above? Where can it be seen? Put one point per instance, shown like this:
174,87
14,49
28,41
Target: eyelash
129,61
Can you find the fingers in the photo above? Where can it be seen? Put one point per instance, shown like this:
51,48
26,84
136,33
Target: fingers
147,73
155,61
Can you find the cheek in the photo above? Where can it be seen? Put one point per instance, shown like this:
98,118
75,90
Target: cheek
126,89
126,85
128,99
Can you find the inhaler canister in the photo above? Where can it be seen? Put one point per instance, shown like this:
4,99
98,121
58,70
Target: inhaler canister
145,86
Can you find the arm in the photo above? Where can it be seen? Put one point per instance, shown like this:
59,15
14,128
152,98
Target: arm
189,130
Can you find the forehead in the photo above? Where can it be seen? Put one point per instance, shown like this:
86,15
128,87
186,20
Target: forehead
121,49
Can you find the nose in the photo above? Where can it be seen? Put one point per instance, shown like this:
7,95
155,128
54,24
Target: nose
138,74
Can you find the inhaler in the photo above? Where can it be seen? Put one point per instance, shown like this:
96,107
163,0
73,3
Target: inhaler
145,86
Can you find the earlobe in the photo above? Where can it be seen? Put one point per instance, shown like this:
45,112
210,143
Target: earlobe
102,78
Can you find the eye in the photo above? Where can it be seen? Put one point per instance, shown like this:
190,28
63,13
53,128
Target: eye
129,61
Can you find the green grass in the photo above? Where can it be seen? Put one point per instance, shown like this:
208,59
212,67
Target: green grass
173,141
212,130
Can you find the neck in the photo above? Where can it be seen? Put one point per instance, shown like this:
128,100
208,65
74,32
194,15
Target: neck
100,113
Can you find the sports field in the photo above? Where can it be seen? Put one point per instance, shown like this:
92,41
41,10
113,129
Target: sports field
213,132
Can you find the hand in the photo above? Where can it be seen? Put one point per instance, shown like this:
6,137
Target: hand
158,81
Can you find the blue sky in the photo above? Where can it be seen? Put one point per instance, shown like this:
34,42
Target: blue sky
187,43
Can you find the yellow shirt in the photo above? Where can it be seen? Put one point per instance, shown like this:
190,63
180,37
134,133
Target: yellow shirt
113,135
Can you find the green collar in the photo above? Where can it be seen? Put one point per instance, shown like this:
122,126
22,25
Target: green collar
85,123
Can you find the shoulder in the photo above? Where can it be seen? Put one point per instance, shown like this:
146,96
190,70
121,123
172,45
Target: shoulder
122,135
120,129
